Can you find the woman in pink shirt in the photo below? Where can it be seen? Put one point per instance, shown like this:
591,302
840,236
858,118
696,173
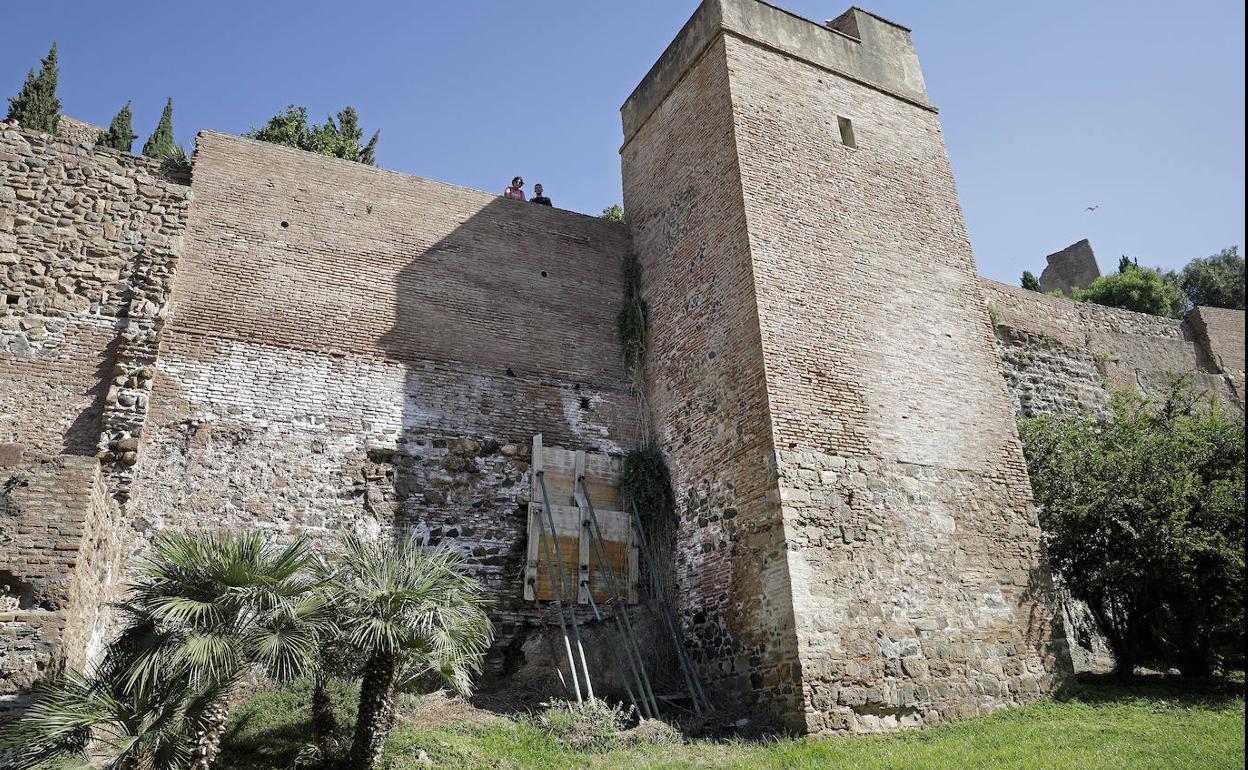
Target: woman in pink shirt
516,191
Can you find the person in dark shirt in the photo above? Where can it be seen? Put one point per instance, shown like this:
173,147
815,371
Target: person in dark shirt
539,198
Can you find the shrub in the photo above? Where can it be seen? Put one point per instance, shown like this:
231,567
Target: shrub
593,725
337,139
1143,514
1140,289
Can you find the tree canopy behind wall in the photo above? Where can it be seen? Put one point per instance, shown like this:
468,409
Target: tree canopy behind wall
337,138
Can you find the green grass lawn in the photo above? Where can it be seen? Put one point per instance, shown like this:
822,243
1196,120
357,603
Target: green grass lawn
1151,725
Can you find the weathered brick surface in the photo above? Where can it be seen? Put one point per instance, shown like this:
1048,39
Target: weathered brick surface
883,566
707,392
1221,333
57,552
1061,356
381,360
88,240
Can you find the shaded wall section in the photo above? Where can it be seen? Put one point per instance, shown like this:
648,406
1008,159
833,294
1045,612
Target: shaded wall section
353,349
1064,357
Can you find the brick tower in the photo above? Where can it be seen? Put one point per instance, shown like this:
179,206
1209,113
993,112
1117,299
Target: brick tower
858,546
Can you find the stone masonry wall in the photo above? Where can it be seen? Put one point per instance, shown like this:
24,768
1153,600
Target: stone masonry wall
58,555
88,242
1061,356
706,392
353,349
918,583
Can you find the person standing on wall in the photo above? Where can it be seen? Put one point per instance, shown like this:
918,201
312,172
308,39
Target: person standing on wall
539,198
516,190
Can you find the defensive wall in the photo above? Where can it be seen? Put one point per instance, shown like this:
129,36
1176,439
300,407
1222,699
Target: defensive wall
308,346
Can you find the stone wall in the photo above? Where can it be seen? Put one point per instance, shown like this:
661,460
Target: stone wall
823,370
88,240
58,556
1070,269
1061,356
353,349
706,392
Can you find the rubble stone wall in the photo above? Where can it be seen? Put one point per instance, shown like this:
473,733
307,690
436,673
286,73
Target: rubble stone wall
58,556
1066,357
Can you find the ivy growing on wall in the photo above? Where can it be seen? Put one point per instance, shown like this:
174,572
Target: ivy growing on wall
632,319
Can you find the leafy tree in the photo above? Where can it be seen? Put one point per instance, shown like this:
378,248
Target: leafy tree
1030,282
614,212
340,139
1143,513
1216,281
1141,289
411,615
120,134
36,106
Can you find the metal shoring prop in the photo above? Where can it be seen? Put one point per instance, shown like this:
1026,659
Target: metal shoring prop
618,597
554,589
686,663
576,631
643,707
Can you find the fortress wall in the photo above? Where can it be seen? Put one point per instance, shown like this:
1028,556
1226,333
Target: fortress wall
84,235
918,583
383,359
1221,333
58,554
1061,356
706,390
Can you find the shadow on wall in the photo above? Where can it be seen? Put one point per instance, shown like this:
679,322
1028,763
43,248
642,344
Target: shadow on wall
504,329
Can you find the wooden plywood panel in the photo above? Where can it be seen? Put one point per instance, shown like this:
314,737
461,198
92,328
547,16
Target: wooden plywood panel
560,469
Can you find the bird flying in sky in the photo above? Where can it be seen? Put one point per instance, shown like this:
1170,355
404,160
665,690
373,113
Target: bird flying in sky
1090,209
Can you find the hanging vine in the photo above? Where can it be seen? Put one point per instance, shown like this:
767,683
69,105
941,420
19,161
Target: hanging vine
645,480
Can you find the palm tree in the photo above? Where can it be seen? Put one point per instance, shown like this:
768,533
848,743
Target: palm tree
125,728
413,615
208,607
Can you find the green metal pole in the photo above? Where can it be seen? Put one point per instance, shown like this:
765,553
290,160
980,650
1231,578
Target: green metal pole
558,594
576,631
691,676
647,691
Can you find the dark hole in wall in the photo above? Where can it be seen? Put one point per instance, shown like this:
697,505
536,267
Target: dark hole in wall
15,593
285,225
847,131
584,405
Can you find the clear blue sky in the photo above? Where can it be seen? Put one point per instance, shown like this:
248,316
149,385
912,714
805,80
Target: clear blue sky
1047,107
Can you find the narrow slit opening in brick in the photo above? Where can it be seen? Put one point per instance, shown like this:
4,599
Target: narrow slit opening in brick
847,131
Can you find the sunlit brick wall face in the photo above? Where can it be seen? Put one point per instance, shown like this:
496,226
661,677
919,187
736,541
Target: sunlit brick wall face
919,586
706,390
352,348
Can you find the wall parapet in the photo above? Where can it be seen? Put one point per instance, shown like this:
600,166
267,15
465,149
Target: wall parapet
857,45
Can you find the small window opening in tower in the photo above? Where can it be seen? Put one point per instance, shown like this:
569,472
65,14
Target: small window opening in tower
847,131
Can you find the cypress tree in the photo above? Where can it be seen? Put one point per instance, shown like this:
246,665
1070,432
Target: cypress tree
160,144
36,106
120,135
1030,282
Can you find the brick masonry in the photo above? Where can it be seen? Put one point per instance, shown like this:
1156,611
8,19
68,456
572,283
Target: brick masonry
308,346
